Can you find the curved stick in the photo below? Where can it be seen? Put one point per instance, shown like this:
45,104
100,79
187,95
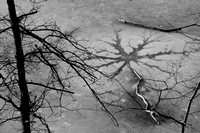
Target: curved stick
156,28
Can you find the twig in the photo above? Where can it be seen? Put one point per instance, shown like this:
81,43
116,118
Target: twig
189,107
156,28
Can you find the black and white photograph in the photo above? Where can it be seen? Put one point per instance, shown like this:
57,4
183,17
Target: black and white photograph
99,66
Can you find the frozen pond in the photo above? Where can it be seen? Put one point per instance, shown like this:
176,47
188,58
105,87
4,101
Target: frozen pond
96,26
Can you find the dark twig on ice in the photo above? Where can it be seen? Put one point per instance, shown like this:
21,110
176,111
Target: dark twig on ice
156,28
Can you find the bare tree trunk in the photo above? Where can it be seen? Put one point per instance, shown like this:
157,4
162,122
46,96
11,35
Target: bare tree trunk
25,99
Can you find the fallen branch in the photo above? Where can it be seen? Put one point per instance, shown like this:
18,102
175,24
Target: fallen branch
156,28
